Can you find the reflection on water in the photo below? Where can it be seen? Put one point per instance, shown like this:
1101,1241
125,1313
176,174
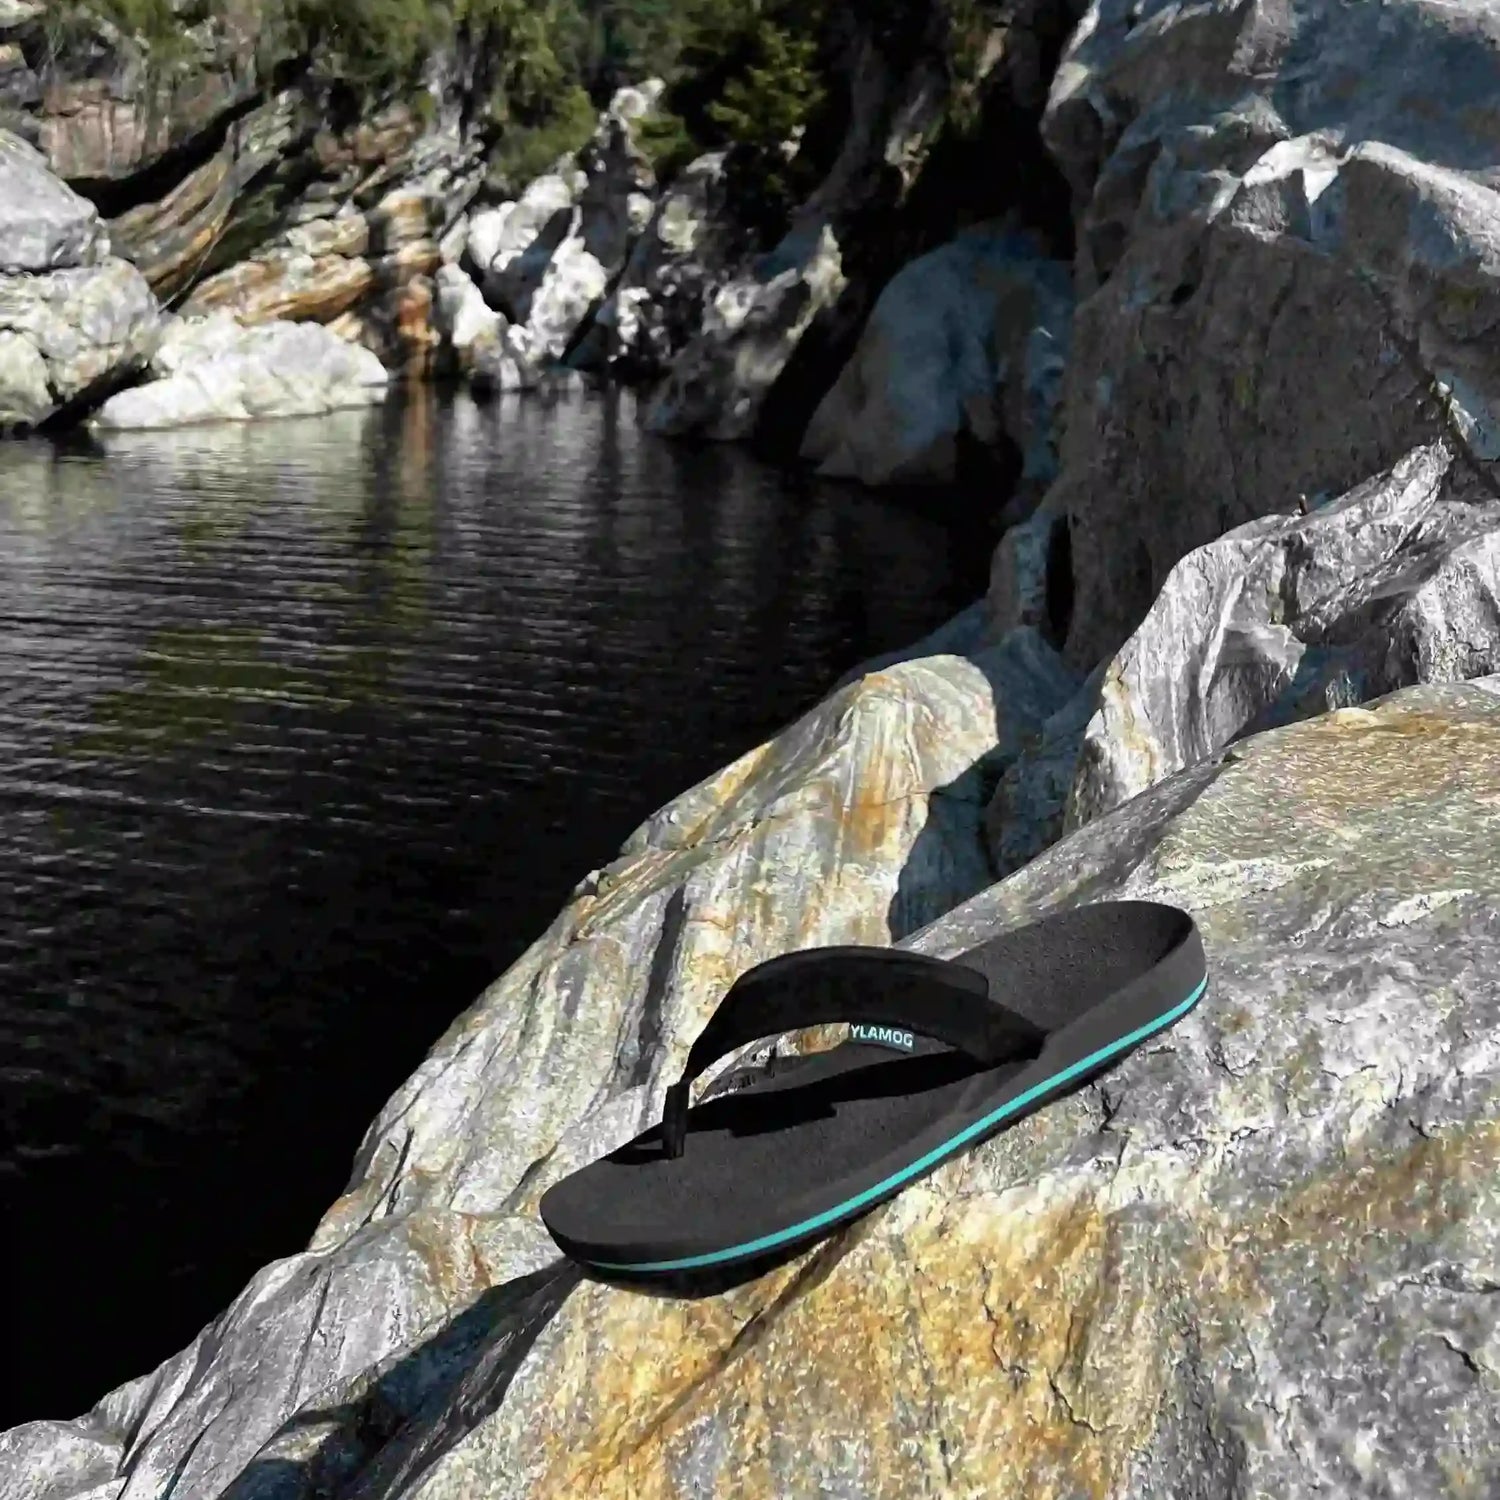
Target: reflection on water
306,730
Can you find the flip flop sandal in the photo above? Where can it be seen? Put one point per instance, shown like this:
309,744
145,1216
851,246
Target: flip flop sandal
942,1054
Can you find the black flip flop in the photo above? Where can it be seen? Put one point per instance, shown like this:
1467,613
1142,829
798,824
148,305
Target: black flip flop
944,1053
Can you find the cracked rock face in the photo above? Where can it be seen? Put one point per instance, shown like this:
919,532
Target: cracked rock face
1393,584
1288,268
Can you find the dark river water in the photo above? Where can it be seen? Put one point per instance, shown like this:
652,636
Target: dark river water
307,729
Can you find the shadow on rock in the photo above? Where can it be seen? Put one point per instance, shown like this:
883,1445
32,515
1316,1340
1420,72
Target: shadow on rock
399,1421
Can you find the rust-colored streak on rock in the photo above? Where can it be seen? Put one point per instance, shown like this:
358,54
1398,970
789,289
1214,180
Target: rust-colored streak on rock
951,1332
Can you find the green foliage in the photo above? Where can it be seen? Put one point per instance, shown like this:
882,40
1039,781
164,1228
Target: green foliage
151,24
969,24
742,74
368,43
764,108
750,76
667,143
638,39
524,152
772,98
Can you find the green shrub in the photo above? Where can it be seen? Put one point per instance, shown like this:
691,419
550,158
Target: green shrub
151,24
667,143
524,151
741,74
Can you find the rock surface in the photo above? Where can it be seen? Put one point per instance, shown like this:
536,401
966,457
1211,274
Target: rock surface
67,337
776,327
213,369
1251,1260
44,224
1258,1257
752,323
176,237
967,341
1286,221
655,308
74,320
101,111
470,330
548,260
212,171
1254,1258
1394,584
498,235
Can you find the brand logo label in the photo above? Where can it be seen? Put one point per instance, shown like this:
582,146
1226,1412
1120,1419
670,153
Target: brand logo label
887,1036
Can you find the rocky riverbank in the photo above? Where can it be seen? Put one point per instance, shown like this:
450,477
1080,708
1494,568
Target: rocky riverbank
1241,651
226,176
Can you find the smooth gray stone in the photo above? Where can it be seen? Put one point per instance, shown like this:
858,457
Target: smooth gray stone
44,224
211,369
967,341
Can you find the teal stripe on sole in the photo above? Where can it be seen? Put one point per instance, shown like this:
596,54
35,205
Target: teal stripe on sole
852,1205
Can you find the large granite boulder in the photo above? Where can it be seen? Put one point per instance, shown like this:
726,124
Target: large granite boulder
1254,1258
1288,268
1393,584
967,342
44,224
213,369
868,811
68,337
74,319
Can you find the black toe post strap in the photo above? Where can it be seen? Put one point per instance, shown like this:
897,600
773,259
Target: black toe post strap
928,996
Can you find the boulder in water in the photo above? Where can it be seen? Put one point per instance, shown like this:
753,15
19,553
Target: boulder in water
44,224
68,337
213,369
